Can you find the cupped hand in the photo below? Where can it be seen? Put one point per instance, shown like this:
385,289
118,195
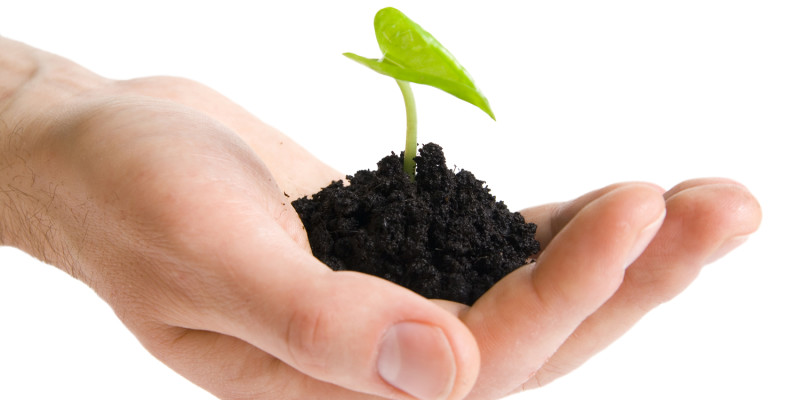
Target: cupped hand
173,203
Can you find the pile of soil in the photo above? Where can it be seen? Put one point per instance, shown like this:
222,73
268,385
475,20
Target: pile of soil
443,236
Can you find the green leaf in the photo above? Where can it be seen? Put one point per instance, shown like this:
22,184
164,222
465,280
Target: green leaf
412,54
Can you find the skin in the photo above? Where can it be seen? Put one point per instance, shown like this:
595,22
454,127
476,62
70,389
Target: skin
173,204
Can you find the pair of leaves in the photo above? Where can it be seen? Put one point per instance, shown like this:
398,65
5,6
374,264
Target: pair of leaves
412,54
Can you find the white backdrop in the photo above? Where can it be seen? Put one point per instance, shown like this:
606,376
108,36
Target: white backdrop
586,93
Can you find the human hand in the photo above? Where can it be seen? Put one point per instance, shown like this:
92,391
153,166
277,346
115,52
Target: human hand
173,204
169,201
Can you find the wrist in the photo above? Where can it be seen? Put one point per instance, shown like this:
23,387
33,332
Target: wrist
17,197
16,69
21,217
34,85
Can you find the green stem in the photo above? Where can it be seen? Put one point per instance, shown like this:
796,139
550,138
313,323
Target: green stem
409,166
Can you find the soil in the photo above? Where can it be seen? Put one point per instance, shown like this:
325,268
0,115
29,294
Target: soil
443,236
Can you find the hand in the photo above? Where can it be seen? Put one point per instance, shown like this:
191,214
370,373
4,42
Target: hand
173,204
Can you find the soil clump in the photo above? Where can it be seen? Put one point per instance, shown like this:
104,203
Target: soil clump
444,236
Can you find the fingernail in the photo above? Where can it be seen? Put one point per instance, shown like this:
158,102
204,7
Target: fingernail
726,248
643,240
417,359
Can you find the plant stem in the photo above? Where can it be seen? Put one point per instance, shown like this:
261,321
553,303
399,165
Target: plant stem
409,166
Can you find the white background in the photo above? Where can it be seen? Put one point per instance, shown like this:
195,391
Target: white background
586,93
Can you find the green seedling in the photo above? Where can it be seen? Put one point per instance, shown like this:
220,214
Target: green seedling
411,54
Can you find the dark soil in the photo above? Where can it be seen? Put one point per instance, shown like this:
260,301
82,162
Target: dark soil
443,236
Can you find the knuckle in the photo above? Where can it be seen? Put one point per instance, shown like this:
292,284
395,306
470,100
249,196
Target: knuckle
310,339
548,373
660,283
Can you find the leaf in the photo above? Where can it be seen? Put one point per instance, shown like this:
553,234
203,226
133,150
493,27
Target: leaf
412,54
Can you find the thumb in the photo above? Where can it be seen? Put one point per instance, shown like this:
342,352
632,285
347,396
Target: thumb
351,329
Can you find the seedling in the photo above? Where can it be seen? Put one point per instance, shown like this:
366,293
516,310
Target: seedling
441,233
411,54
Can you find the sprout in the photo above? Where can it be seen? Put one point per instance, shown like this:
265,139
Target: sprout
411,54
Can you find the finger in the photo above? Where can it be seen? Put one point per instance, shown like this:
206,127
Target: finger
705,218
350,329
551,218
523,319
